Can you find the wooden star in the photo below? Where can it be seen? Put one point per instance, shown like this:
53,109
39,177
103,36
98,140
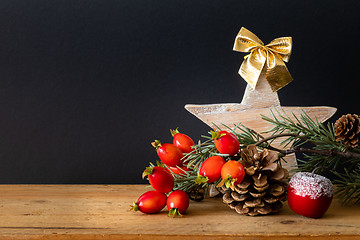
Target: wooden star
256,102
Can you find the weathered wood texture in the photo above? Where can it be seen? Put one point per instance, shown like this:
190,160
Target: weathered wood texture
102,212
256,102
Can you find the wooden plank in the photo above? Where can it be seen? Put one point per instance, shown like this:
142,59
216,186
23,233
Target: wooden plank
101,212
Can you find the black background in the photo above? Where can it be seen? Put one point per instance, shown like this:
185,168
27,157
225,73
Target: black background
85,86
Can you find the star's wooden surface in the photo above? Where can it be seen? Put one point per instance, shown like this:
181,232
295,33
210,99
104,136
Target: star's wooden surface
256,102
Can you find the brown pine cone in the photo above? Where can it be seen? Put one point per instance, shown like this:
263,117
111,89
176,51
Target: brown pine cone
347,130
263,187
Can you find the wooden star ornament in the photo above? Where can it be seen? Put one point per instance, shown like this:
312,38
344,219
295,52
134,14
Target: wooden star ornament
260,96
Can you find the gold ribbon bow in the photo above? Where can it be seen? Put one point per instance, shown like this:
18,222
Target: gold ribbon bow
269,58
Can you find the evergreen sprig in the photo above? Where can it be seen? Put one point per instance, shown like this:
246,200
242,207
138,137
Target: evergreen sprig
340,160
348,186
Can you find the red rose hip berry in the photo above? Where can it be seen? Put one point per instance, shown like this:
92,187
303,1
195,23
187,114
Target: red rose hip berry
310,194
159,178
182,141
168,153
232,173
226,142
150,202
211,168
177,203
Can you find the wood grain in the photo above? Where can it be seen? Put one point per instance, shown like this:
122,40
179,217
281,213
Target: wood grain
101,212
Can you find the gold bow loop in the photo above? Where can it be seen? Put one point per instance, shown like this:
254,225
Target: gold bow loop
269,58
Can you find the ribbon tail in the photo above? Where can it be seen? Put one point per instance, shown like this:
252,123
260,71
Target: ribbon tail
277,75
252,67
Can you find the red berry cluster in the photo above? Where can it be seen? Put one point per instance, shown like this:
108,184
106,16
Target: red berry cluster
213,168
161,178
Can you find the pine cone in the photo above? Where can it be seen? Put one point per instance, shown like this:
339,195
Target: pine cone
263,187
347,129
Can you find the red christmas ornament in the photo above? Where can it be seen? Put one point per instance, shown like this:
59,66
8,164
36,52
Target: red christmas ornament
310,194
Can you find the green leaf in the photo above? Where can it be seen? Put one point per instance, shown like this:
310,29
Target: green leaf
174,212
134,207
201,179
229,182
174,132
147,171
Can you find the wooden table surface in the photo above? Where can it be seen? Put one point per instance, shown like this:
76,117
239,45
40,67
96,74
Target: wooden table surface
102,212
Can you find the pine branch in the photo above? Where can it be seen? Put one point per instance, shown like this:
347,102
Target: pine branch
306,130
348,186
324,151
246,135
328,152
